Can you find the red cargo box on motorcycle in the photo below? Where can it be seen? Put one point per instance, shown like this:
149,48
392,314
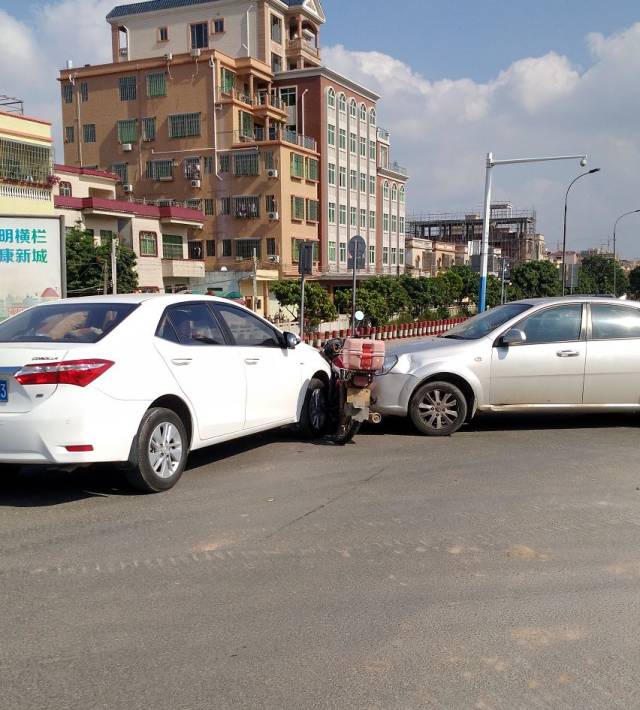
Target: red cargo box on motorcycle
363,355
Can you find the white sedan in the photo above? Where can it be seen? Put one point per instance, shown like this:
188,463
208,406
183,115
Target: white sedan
142,380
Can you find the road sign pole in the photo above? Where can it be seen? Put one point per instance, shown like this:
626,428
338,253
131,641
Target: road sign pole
353,300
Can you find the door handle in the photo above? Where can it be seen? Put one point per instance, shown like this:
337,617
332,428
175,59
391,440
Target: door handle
252,360
568,353
182,361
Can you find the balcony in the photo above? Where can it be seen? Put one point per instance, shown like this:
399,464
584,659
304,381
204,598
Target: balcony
384,135
302,46
183,268
259,135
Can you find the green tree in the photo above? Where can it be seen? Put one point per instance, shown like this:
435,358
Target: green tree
87,262
317,304
372,303
535,279
596,276
470,282
494,291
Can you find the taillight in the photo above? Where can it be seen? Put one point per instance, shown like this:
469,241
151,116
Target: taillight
74,372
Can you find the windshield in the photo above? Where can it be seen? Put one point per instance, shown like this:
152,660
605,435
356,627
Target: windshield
65,323
481,325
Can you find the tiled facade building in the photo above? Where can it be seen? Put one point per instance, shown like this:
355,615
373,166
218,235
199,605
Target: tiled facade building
223,106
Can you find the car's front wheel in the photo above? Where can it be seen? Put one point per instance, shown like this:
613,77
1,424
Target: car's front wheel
162,448
438,409
315,412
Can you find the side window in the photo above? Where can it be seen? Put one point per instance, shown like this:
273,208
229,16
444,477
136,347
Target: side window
246,329
190,324
610,322
553,325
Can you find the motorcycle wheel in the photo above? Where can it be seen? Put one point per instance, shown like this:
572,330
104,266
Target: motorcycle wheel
346,432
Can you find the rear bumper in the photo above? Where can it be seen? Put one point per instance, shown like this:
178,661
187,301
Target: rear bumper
71,417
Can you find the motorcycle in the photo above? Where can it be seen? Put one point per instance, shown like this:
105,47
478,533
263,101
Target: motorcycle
354,363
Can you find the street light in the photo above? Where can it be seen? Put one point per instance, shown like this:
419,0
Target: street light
491,163
615,270
564,230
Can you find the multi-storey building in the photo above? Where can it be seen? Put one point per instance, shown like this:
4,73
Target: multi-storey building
512,232
361,191
26,162
167,259
429,258
205,104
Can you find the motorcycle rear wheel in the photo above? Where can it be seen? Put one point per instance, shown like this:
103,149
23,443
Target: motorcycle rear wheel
346,432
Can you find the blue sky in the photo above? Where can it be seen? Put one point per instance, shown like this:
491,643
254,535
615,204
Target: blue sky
457,78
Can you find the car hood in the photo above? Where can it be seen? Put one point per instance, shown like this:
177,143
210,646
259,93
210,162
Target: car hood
428,345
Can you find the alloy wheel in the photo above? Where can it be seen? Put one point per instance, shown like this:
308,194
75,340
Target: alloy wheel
438,409
318,409
165,450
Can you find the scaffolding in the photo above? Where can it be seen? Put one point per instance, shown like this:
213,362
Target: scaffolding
512,231
9,104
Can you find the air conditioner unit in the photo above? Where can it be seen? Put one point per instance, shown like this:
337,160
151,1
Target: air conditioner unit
272,173
127,147
196,52
273,216
128,189
196,184
168,56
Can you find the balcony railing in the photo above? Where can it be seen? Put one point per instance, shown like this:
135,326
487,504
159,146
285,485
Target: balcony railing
296,45
260,99
397,168
259,135
383,134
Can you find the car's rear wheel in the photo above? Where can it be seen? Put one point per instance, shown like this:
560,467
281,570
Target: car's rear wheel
315,411
162,447
438,409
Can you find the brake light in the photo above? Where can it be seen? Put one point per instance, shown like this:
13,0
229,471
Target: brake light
74,372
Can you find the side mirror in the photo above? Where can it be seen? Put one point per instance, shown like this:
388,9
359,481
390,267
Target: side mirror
291,341
512,337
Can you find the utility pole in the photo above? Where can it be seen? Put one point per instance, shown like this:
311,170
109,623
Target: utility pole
114,265
105,279
255,281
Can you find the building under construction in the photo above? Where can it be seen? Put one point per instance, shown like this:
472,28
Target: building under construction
513,232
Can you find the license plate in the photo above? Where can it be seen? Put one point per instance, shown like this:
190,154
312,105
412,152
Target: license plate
360,398
4,391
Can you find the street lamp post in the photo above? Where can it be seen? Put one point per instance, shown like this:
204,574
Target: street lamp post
491,163
564,229
615,270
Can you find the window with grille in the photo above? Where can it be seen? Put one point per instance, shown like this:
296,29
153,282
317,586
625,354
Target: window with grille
225,163
149,129
127,131
246,164
245,248
127,87
24,161
208,208
246,125
332,251
272,249
313,210
211,247
343,214
297,165
228,81
148,244
332,213
163,34
227,247
122,171
297,208
246,207
67,92
65,189
156,84
194,250
225,206
106,237
271,204
218,26
84,91
207,164
191,168
184,125
332,173
172,247
159,169
89,133
199,35
312,169
195,204
69,134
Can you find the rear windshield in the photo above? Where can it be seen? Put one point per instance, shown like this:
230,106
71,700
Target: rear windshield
65,323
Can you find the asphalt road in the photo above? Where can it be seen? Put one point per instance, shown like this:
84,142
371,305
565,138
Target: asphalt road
498,569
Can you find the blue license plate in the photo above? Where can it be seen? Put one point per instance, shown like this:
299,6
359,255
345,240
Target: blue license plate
4,391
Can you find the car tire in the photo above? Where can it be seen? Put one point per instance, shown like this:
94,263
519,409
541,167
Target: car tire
315,410
161,449
438,409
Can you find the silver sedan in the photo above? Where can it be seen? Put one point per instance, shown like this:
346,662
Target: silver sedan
563,354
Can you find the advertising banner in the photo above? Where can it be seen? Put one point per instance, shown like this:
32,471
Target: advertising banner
31,262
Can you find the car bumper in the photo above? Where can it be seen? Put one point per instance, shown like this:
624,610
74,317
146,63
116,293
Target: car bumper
71,418
392,393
